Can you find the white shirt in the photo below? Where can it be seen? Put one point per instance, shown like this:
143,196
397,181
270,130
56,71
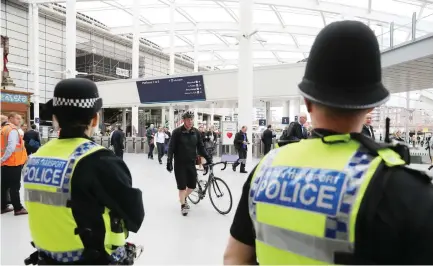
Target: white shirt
160,137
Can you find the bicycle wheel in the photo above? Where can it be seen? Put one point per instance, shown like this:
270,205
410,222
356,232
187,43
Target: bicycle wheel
219,189
194,197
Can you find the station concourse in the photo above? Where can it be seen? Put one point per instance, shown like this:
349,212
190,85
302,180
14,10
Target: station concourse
234,64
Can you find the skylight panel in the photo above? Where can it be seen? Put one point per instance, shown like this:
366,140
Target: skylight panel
261,16
106,17
263,54
302,19
156,15
354,3
395,7
208,14
274,38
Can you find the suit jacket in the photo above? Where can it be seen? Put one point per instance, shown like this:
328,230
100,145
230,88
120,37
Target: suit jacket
367,133
239,139
118,140
267,137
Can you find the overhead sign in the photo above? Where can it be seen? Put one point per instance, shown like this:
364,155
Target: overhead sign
182,89
37,120
122,72
228,118
262,122
228,132
285,120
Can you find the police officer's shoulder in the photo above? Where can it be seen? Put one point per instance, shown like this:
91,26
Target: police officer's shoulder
408,172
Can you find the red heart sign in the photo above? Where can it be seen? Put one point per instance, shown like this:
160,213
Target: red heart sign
230,135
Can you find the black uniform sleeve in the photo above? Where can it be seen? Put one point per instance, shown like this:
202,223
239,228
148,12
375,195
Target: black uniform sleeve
242,227
105,178
172,144
200,147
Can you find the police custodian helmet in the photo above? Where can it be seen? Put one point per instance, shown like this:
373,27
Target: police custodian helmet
75,102
344,69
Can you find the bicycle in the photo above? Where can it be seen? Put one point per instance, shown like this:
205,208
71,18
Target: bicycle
213,181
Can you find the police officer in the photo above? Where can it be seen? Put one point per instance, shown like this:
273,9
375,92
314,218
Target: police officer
79,195
184,144
338,197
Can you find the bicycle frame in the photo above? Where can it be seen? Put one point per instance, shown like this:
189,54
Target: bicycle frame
202,191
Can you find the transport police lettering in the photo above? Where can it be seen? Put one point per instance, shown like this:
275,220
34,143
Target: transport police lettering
316,190
45,171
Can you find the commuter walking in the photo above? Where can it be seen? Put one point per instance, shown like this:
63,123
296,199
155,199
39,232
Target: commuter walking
241,145
118,142
367,128
32,140
184,144
338,197
150,134
160,138
167,140
13,157
81,213
267,138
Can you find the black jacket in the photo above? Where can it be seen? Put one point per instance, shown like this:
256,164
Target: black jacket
239,139
184,145
118,140
267,137
31,135
367,133
207,136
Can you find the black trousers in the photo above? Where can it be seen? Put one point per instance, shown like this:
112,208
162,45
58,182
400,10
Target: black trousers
160,148
118,152
242,158
11,179
267,148
151,148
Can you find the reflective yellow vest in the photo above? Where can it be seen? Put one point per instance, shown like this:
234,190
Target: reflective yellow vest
47,182
304,199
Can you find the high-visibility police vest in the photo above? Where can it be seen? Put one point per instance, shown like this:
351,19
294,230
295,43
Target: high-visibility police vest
47,182
304,199
19,155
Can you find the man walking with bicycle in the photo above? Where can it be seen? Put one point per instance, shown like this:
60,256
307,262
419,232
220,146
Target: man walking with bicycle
185,142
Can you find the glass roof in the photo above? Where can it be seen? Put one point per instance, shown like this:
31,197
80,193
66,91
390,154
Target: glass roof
285,29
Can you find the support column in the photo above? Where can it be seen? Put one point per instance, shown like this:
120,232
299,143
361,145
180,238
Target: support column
196,116
212,114
268,113
134,121
212,66
295,108
34,10
71,33
163,117
172,25
406,120
136,39
196,44
171,118
245,72
124,120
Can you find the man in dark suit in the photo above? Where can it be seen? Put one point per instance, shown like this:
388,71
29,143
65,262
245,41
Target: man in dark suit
267,137
118,142
296,130
367,128
32,140
241,146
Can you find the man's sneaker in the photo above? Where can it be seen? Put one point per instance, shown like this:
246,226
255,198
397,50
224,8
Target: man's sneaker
186,204
7,209
184,210
21,212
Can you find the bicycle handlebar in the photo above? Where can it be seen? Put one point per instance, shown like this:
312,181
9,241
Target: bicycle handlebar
209,166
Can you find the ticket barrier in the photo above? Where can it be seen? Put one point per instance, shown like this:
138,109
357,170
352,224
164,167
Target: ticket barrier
129,147
97,140
140,144
105,141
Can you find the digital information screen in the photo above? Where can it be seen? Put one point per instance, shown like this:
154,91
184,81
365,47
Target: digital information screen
182,89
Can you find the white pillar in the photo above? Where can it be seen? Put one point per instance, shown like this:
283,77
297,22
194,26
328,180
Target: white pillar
124,119
295,108
172,25
196,44
71,33
171,118
212,66
136,39
245,72
406,121
34,10
134,121
212,114
286,110
196,116
163,116
268,113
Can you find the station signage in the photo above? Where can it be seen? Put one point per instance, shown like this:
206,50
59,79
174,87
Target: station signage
262,122
122,72
181,89
285,120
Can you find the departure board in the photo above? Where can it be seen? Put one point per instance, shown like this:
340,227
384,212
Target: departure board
181,89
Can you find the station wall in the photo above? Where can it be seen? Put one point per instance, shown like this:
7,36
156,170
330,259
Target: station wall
52,49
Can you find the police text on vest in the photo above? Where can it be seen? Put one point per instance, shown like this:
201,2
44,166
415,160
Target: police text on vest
45,171
316,190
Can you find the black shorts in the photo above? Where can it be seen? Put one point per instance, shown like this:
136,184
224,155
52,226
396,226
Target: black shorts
186,175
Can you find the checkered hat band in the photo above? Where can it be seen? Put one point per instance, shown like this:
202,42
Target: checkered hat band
80,103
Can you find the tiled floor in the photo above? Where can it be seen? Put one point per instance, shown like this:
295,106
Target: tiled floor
167,237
